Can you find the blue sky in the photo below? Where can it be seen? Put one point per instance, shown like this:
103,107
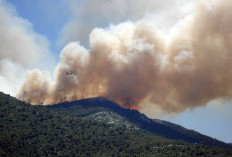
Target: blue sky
61,21
48,17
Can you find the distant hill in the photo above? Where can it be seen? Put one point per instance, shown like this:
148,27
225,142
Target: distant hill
27,130
86,107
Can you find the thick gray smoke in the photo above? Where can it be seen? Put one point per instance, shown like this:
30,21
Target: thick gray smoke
134,63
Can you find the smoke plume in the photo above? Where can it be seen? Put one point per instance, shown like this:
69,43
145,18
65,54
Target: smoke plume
135,63
20,48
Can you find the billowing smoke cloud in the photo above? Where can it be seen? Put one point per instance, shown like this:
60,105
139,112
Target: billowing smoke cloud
135,63
88,14
20,48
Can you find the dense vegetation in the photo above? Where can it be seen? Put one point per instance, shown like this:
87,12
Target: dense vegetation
89,106
36,131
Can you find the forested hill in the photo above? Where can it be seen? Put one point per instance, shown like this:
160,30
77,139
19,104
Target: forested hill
86,107
27,130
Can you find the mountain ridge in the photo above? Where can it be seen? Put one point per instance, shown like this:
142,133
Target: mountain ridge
28,130
159,127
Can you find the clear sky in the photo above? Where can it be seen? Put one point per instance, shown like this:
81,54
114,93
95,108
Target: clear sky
58,22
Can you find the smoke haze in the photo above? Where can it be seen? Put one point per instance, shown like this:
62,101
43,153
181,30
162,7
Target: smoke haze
136,63
99,13
20,48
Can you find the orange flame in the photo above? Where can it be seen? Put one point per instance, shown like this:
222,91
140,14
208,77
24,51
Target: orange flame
133,108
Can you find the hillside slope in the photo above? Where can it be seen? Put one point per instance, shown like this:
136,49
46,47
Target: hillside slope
86,107
36,131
